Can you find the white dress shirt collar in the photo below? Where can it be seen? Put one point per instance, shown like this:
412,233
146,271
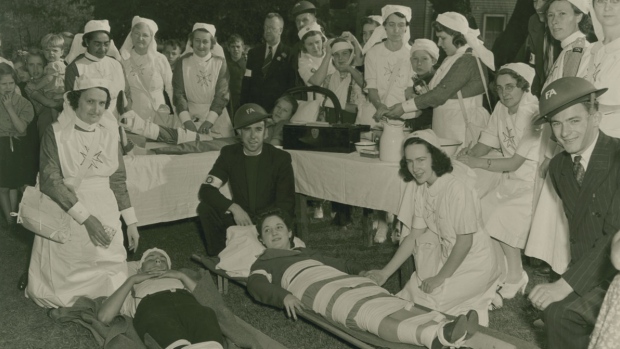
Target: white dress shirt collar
587,154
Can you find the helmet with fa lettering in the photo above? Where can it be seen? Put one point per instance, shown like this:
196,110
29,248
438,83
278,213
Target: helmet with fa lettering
248,114
563,93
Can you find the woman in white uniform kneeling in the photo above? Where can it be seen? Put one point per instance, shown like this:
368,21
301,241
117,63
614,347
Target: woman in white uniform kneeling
92,263
456,267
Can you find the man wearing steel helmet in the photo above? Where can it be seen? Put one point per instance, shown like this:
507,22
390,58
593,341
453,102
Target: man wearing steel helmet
260,177
304,14
586,176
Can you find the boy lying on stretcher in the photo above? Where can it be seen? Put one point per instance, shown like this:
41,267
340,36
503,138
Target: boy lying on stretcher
300,278
161,302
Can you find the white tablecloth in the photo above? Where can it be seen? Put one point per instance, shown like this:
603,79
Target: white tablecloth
164,188
349,179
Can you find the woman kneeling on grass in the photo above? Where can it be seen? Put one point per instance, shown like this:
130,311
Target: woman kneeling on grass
299,278
456,268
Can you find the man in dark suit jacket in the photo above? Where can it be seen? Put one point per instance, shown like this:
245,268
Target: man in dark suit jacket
541,48
260,177
269,72
586,177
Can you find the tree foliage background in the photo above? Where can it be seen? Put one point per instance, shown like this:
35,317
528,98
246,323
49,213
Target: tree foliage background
24,22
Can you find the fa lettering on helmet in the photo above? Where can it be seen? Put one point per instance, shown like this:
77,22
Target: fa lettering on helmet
550,94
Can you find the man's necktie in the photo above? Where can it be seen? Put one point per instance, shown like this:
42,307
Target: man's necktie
268,60
578,169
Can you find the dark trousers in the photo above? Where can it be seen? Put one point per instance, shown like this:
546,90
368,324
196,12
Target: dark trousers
170,316
214,225
570,321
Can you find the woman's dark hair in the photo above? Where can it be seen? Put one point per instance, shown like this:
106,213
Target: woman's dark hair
441,163
291,100
398,14
274,212
6,69
521,82
458,39
309,34
368,20
74,98
88,36
191,38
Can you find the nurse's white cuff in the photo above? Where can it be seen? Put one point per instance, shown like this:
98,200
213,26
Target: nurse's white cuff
184,116
212,117
79,212
129,215
409,106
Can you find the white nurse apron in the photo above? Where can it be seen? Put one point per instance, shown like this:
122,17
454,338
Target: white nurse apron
199,78
61,273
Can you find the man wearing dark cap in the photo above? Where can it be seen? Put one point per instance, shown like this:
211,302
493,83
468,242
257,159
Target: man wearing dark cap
259,175
304,14
586,176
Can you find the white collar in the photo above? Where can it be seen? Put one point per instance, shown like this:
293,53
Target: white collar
85,126
246,154
92,58
572,38
587,154
202,59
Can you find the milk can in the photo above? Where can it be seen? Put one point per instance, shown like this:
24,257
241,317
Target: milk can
391,143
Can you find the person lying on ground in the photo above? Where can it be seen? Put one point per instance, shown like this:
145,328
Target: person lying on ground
156,295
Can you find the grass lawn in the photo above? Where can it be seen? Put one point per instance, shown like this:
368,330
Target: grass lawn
25,325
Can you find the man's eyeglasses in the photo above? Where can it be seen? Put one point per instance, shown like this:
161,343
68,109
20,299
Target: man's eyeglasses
600,2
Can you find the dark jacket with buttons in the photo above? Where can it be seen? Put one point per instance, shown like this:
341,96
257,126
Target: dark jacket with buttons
593,212
275,182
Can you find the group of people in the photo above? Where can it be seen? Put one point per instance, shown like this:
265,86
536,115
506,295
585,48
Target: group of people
539,173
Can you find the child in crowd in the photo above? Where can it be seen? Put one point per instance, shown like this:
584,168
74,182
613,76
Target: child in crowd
285,108
424,56
53,82
299,278
172,51
19,64
15,114
161,302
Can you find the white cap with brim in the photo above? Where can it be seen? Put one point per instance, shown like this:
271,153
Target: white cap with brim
217,49
155,249
522,69
97,26
458,23
314,27
425,45
429,136
379,34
